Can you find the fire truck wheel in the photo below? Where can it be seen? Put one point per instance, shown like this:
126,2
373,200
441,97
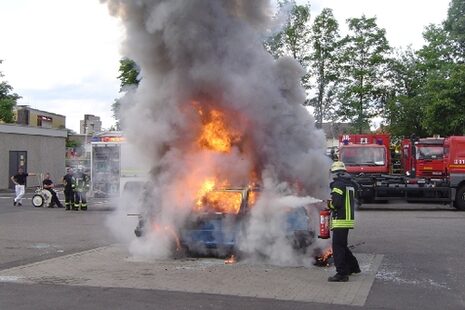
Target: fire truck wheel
460,199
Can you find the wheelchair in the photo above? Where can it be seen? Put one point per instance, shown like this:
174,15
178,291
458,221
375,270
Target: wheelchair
41,196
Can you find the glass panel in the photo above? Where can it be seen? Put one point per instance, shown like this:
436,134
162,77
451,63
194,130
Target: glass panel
429,152
363,156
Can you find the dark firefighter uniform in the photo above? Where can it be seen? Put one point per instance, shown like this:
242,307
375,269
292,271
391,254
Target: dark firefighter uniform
342,206
69,182
82,185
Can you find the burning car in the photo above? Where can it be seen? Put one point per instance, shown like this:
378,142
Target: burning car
209,117
218,219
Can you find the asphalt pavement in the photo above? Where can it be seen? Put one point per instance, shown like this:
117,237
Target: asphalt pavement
411,257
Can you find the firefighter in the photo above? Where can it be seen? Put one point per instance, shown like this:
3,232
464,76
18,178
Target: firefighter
82,185
342,206
69,183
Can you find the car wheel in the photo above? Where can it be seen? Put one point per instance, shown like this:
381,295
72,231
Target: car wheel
37,201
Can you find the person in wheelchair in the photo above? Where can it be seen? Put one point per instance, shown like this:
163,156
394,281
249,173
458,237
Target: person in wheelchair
48,185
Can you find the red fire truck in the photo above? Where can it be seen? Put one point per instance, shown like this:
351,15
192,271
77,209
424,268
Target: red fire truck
433,169
365,153
423,158
367,158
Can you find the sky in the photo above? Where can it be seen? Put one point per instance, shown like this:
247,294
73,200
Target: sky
62,56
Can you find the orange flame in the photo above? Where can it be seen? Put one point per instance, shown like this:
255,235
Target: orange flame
207,186
215,135
327,254
168,230
223,201
323,259
209,199
252,199
231,260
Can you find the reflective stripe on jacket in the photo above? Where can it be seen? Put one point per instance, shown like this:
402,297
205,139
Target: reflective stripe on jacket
82,183
342,202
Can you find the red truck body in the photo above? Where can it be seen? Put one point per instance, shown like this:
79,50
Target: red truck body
425,159
454,161
454,155
365,153
433,168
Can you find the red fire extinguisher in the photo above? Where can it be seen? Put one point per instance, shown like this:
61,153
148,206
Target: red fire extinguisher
324,224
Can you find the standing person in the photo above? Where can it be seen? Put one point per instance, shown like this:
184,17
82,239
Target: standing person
69,183
342,206
19,180
47,183
82,185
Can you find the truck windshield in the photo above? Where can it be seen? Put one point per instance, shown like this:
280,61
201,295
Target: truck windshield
429,152
363,156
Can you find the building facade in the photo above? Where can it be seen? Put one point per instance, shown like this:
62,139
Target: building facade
90,125
38,150
28,116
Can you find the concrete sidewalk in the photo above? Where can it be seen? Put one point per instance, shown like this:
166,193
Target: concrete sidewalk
112,266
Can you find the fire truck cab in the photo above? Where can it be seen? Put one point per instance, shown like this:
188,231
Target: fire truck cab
424,158
366,157
365,153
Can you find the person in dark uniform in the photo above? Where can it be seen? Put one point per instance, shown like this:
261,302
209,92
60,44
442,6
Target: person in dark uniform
69,183
47,184
342,206
19,180
82,185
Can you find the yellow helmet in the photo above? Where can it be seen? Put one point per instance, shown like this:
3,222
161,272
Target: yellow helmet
338,166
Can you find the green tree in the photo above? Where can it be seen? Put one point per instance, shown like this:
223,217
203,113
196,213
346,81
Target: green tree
428,93
8,101
446,101
443,92
455,26
324,64
365,59
129,73
128,76
294,38
405,108
70,142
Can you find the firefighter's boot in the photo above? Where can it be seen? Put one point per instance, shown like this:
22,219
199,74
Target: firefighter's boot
338,278
84,207
355,270
76,207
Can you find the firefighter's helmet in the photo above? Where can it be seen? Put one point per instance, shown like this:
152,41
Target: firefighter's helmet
338,166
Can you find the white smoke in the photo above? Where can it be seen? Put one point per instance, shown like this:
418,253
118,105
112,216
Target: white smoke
266,237
210,52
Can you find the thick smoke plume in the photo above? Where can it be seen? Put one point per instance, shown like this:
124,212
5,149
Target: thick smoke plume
198,57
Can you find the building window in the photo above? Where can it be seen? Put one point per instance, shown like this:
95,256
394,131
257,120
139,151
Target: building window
44,121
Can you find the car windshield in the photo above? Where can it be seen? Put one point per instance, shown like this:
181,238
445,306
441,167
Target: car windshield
429,152
223,201
363,156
